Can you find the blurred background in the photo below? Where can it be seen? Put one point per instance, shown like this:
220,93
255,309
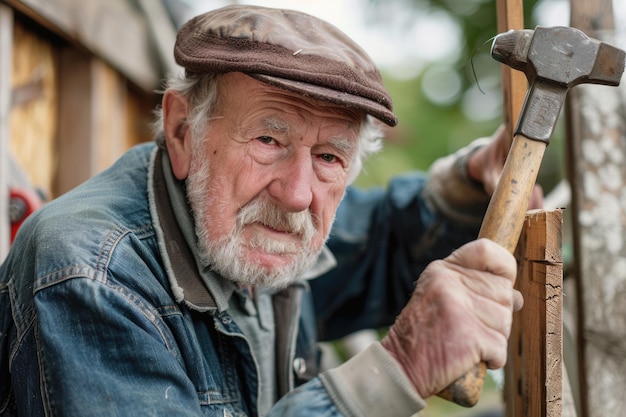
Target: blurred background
79,81
434,56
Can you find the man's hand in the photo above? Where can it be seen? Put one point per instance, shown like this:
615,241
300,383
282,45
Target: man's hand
459,315
486,165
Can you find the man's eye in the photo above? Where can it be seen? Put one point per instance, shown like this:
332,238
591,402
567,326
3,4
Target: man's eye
266,139
328,157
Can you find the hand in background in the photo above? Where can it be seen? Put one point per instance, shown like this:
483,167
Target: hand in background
487,163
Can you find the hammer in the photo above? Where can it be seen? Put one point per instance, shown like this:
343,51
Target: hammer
554,60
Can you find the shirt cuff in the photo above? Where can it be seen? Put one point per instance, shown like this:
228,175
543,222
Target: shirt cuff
452,192
372,384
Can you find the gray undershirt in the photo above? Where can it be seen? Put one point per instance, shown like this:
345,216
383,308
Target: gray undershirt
255,316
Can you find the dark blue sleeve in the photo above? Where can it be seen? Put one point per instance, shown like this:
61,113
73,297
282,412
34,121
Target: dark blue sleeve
382,239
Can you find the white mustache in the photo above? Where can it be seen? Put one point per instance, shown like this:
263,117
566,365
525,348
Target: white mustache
271,215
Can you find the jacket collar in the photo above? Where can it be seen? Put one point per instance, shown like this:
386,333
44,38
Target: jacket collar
179,260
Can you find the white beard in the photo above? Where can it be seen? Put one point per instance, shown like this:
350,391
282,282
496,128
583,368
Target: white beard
225,255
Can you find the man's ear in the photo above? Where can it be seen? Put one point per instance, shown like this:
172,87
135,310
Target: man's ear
177,132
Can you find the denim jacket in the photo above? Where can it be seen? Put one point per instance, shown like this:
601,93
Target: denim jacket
102,312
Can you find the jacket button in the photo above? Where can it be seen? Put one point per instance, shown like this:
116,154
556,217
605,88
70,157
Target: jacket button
299,366
226,320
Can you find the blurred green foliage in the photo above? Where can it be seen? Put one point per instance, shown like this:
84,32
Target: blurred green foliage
476,18
427,130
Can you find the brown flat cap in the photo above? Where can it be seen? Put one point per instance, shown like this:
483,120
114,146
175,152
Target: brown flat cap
287,49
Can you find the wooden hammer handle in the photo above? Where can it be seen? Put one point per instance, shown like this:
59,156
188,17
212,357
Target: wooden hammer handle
507,208
503,224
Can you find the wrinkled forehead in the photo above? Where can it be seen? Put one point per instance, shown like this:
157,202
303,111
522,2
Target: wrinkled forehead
237,89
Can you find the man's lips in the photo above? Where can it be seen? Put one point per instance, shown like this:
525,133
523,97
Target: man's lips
273,230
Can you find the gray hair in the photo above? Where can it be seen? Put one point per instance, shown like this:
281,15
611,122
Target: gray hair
202,95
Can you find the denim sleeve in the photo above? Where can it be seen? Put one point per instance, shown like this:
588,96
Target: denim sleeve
383,239
308,400
102,351
5,328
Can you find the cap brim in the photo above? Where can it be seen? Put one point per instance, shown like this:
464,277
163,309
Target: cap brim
318,92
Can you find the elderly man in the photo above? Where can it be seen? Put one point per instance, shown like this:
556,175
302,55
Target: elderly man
196,275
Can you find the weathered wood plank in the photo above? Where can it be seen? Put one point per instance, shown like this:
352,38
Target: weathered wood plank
597,174
599,197
534,369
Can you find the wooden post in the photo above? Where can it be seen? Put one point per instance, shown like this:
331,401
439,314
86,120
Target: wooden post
514,84
92,105
534,368
6,53
596,132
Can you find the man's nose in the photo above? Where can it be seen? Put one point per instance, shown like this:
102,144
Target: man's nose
293,184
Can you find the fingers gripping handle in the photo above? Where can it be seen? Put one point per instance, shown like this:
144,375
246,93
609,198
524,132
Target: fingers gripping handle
503,224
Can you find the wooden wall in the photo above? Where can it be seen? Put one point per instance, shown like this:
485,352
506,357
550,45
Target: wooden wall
33,115
74,113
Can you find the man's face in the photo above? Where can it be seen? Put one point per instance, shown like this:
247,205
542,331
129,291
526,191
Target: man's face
266,180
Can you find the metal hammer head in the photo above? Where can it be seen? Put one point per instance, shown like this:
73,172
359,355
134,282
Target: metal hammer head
555,59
